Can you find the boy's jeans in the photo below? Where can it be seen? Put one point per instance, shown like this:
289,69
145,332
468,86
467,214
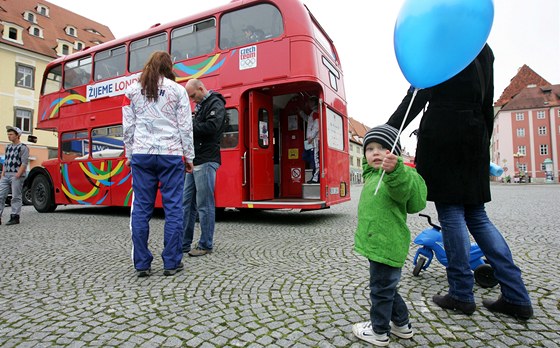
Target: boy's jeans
386,303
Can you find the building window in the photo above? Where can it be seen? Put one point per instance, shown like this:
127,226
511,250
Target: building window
93,31
523,167
24,119
43,10
544,149
71,31
358,162
540,115
30,17
522,150
65,49
542,130
13,33
24,76
519,116
36,31
520,132
78,45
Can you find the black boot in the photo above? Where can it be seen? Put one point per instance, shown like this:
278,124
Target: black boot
14,219
516,311
448,302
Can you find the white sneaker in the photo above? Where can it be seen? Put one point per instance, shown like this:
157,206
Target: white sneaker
404,331
364,332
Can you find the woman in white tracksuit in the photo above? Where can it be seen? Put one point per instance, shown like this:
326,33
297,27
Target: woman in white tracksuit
158,139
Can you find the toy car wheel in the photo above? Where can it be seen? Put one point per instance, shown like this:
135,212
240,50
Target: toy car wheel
419,265
484,276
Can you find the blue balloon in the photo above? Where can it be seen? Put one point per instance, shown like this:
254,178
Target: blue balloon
435,39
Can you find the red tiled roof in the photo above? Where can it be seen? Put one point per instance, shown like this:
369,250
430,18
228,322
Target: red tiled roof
12,11
525,76
357,129
535,98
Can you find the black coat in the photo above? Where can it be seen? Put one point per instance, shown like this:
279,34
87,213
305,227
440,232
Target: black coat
208,127
453,150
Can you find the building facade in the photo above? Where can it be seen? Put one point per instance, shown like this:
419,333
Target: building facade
527,130
34,33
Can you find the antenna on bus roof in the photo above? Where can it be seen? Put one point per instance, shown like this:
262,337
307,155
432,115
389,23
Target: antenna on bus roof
155,25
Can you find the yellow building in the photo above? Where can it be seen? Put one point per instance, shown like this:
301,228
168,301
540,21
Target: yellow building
33,33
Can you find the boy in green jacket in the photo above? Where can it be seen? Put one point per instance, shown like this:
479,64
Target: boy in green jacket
382,234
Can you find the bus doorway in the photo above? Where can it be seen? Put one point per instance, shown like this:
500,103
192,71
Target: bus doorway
261,147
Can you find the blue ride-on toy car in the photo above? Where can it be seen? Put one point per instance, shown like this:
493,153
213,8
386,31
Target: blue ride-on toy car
431,242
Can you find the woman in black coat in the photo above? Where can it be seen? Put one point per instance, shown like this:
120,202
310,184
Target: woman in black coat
453,157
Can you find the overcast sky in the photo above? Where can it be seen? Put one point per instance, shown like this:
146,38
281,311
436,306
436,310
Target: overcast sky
523,32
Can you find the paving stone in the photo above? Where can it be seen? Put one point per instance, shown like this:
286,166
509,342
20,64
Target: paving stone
276,279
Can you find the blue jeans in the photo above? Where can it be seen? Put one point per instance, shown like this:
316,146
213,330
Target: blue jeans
198,195
148,173
455,219
386,303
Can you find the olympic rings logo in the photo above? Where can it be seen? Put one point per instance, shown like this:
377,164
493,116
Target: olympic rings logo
248,62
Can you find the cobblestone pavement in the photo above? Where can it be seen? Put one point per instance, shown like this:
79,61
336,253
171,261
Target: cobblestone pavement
276,279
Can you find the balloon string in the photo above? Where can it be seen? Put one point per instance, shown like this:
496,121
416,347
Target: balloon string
398,135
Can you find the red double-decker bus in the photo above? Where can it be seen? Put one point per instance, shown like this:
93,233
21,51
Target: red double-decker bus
265,77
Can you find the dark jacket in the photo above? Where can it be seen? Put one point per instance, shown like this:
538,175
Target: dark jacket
453,150
208,126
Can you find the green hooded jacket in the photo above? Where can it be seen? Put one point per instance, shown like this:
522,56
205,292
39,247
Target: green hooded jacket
382,234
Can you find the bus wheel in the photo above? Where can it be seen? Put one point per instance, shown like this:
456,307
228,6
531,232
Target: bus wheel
43,196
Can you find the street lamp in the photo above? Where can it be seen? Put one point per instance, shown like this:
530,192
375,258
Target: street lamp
548,170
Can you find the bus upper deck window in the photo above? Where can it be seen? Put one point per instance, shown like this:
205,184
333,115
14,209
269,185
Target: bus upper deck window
77,72
249,25
193,40
109,63
53,80
140,50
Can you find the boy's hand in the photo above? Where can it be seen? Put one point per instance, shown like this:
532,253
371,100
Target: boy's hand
390,162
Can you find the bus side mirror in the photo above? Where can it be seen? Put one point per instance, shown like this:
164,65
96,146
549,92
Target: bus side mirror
32,139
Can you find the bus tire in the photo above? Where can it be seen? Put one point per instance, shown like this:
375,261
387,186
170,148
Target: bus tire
42,195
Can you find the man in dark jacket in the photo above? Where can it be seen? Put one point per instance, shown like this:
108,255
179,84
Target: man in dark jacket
453,157
198,196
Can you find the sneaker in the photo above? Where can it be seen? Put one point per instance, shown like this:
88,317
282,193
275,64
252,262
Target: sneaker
447,302
143,273
364,332
199,252
404,331
170,272
516,311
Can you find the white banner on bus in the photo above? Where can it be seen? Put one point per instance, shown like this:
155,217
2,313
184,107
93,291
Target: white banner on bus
110,88
248,57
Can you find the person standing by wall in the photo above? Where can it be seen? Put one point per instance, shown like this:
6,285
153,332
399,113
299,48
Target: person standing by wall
453,156
14,170
209,121
157,127
382,235
311,142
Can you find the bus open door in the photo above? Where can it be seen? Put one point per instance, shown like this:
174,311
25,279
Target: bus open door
261,148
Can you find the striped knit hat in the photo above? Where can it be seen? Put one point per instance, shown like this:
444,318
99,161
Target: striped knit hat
384,135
